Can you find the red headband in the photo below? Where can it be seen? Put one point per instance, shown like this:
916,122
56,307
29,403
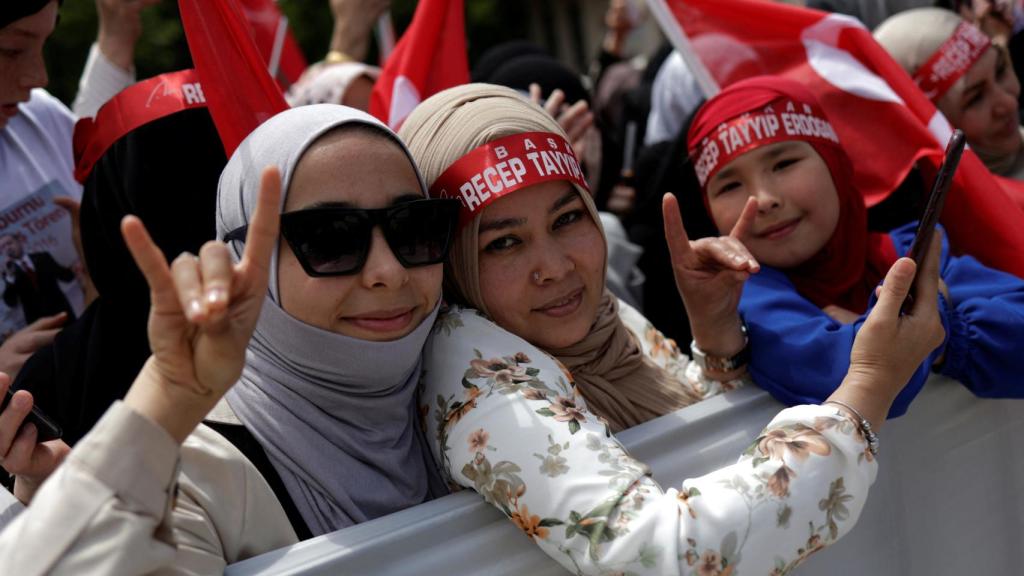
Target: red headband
505,165
135,106
951,61
777,121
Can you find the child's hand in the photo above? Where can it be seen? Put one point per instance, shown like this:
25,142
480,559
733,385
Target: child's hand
710,274
204,310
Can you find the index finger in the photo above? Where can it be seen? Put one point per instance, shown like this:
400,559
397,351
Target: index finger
554,102
675,232
535,93
741,230
263,229
150,260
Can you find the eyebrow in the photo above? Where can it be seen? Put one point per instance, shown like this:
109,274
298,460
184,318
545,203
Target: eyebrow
504,223
500,224
784,148
564,201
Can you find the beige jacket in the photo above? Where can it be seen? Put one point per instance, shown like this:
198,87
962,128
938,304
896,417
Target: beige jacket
129,501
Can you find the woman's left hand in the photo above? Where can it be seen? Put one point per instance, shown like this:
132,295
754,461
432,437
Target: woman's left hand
710,274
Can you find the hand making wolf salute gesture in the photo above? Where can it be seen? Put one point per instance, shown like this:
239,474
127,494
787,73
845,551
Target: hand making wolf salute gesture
203,312
889,347
710,273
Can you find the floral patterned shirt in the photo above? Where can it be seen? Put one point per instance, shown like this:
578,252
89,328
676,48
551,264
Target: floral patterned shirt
504,419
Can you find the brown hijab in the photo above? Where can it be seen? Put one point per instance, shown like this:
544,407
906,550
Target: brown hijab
618,381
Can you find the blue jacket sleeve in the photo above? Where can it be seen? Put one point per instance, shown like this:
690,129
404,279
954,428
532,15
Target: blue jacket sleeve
985,328
798,353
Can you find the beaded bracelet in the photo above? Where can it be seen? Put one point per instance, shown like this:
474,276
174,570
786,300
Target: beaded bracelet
865,426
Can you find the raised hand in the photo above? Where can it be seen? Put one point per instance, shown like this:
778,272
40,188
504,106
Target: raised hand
710,273
890,346
575,119
203,312
120,29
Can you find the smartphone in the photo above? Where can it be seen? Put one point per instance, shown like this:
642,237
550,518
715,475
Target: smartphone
46,427
936,200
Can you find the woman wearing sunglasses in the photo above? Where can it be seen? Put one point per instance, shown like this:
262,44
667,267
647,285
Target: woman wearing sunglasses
508,419
321,429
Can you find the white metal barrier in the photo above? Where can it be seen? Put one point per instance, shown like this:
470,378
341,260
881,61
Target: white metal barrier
949,499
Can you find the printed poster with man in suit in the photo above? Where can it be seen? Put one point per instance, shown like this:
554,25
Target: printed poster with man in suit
40,269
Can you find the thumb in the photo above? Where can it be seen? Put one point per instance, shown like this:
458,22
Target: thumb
895,288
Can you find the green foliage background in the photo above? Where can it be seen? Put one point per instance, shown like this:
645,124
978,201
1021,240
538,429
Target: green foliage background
162,47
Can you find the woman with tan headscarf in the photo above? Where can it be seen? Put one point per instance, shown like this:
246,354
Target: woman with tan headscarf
626,370
969,79
504,412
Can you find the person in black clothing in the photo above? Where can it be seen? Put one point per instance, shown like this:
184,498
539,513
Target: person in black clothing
33,280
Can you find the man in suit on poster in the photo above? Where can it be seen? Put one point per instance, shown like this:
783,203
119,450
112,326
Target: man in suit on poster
33,280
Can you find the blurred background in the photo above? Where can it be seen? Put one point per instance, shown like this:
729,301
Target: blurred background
570,29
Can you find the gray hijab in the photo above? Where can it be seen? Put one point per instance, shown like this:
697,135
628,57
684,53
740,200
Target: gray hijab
336,416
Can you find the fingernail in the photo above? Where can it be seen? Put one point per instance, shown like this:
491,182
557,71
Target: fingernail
217,296
20,402
195,308
737,258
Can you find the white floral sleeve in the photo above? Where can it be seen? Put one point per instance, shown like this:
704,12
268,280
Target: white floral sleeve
505,420
665,353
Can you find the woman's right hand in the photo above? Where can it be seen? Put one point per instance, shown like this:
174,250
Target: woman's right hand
203,313
890,346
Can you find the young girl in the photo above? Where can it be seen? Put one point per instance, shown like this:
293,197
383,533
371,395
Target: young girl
766,140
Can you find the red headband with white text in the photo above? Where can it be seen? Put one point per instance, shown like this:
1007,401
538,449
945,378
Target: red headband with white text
135,106
505,165
951,61
779,121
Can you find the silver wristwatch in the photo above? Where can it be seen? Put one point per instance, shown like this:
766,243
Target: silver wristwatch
721,364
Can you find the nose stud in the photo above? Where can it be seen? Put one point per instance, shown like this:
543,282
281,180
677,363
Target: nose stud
536,277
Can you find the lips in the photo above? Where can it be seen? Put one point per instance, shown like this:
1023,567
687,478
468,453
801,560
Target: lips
780,230
391,320
563,305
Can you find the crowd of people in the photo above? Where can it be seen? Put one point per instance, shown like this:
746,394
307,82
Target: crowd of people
336,320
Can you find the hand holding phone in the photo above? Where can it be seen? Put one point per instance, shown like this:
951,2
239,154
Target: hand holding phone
936,201
46,428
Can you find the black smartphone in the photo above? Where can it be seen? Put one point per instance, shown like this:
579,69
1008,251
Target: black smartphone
936,200
46,427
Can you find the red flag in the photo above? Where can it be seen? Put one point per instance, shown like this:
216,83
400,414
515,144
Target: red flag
430,57
274,40
240,93
884,121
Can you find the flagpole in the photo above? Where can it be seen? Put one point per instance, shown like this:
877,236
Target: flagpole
677,36
385,36
274,65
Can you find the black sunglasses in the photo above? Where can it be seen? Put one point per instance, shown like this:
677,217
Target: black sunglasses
336,241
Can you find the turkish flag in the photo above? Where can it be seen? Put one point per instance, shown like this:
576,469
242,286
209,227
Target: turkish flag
884,121
274,40
430,57
240,93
